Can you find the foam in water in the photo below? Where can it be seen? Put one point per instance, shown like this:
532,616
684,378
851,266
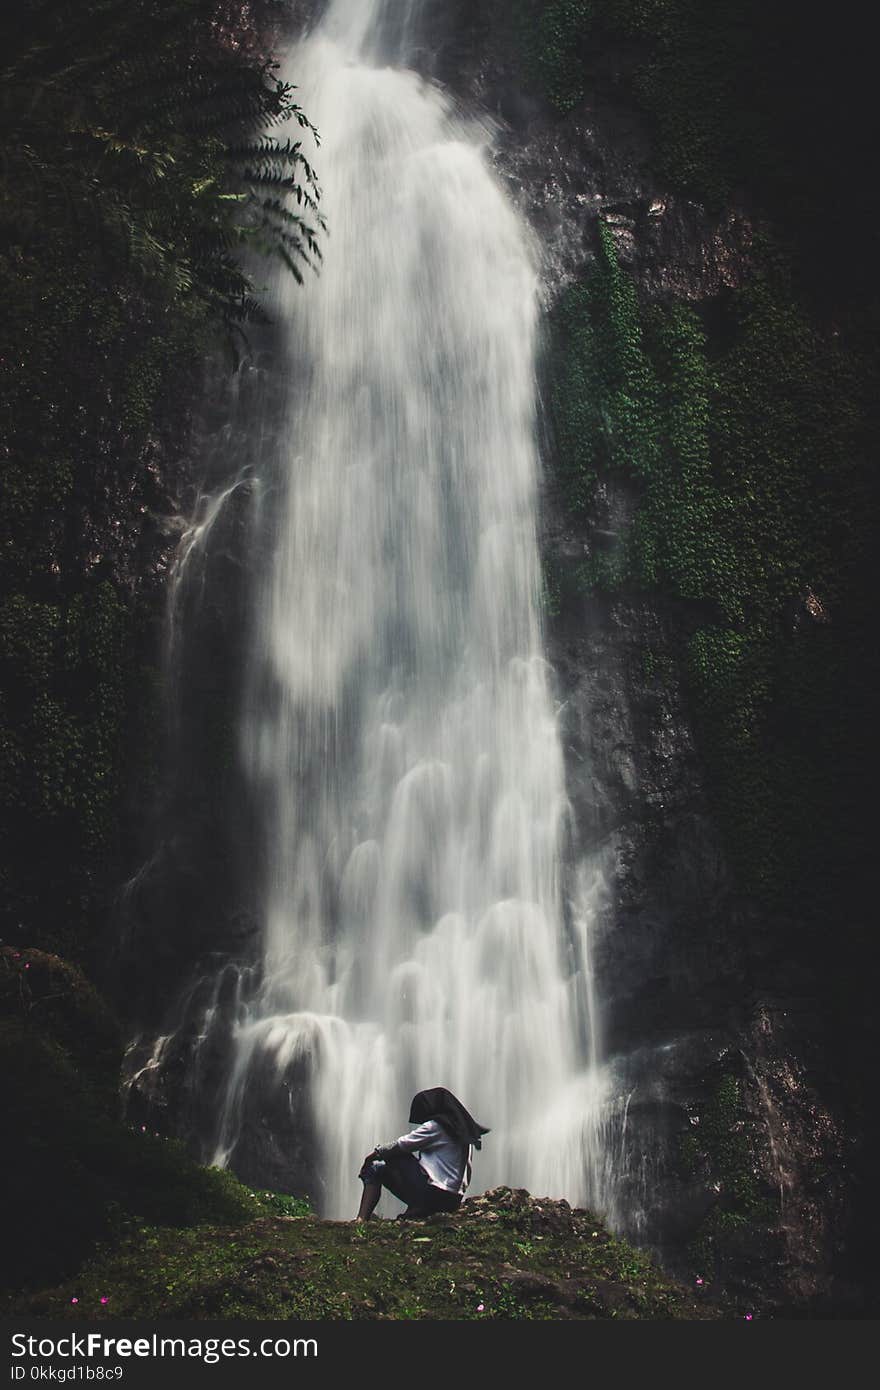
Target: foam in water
400,725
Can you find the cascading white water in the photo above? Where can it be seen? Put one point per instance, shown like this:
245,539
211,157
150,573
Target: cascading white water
400,727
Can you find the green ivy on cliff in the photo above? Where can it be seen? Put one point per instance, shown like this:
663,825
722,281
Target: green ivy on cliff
750,455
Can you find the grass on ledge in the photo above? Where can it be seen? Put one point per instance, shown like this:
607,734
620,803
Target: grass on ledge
505,1255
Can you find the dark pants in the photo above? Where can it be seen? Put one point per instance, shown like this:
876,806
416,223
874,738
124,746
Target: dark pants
403,1175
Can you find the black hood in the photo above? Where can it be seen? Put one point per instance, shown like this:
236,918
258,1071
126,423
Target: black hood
441,1105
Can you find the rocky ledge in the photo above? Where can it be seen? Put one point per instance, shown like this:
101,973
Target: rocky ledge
505,1254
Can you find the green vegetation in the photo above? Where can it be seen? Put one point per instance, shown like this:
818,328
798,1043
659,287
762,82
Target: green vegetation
140,166
73,1173
504,1256
147,146
63,667
552,36
749,451
721,1149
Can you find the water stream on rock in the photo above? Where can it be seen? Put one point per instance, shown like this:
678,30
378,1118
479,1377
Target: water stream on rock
426,916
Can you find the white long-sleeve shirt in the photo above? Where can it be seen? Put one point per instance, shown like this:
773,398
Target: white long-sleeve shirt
446,1160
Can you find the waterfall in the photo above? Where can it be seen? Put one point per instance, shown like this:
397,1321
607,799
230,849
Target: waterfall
425,918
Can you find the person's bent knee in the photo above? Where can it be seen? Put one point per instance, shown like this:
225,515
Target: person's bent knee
372,1172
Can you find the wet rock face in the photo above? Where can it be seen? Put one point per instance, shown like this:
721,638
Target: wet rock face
565,176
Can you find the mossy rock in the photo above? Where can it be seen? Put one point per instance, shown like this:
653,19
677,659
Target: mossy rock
73,1173
52,998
